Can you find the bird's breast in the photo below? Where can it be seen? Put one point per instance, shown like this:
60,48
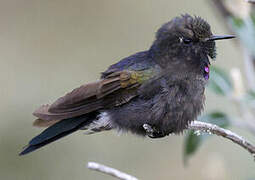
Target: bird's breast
180,104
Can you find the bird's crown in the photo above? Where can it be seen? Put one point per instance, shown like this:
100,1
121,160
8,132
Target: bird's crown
186,26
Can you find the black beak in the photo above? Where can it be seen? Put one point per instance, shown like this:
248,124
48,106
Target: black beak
214,38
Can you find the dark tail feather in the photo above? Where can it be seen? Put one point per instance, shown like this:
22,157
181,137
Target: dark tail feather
57,131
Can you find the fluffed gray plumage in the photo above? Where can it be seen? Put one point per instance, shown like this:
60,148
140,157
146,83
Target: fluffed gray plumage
162,87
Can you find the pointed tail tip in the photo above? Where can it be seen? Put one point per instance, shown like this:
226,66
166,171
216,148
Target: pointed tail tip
22,153
27,150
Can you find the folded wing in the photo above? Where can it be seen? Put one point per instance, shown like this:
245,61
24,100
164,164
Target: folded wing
115,89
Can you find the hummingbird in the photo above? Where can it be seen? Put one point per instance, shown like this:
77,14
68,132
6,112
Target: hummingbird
162,87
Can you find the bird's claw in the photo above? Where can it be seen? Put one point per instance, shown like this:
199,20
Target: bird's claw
148,129
152,132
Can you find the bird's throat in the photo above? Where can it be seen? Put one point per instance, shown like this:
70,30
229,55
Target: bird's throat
206,71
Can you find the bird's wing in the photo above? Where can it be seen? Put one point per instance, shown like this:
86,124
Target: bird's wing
116,88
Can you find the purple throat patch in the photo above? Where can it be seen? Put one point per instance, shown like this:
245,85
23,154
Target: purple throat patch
206,72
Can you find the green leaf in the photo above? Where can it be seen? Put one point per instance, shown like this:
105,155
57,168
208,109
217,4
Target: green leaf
191,144
193,141
219,81
237,22
253,16
249,98
217,117
251,94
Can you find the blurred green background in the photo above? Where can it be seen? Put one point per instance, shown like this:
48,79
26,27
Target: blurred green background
49,47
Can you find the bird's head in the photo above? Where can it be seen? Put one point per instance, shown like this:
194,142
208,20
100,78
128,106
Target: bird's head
186,42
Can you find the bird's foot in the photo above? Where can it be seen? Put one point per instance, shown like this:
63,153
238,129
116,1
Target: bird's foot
152,132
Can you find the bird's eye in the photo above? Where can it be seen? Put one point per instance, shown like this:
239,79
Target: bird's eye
185,40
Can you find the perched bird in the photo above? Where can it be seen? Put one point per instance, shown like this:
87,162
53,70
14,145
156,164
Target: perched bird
162,87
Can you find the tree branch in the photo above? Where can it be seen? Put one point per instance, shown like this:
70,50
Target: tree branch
250,1
110,171
225,13
195,125
213,129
